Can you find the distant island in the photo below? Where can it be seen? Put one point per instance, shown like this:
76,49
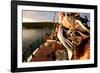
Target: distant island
39,24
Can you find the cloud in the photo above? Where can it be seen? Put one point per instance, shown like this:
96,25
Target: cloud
29,20
38,16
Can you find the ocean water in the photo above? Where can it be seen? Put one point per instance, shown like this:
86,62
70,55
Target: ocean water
30,35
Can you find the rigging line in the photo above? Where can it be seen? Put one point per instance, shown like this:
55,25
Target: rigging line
53,29
54,21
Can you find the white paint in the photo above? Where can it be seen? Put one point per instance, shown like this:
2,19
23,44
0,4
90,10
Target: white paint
35,51
29,58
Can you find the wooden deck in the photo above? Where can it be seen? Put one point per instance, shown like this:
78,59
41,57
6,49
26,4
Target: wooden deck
43,53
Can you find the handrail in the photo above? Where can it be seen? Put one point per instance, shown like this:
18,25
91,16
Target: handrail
34,45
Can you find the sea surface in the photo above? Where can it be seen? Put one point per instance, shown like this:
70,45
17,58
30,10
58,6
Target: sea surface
30,35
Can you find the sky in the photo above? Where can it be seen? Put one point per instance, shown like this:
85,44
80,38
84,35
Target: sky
39,16
43,16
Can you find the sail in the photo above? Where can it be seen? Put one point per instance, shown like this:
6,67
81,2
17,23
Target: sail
64,41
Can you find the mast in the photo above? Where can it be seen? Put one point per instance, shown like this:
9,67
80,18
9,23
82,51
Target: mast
54,20
53,29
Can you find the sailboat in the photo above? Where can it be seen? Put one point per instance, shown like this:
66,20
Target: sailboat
64,45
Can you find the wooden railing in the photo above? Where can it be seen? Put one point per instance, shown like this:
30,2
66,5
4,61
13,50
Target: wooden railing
35,44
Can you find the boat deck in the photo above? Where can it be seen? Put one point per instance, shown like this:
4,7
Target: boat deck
41,54
44,51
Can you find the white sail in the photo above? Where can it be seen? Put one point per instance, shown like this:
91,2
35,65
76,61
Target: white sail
80,26
63,41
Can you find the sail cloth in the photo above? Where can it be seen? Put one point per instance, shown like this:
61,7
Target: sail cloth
80,26
70,22
64,42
